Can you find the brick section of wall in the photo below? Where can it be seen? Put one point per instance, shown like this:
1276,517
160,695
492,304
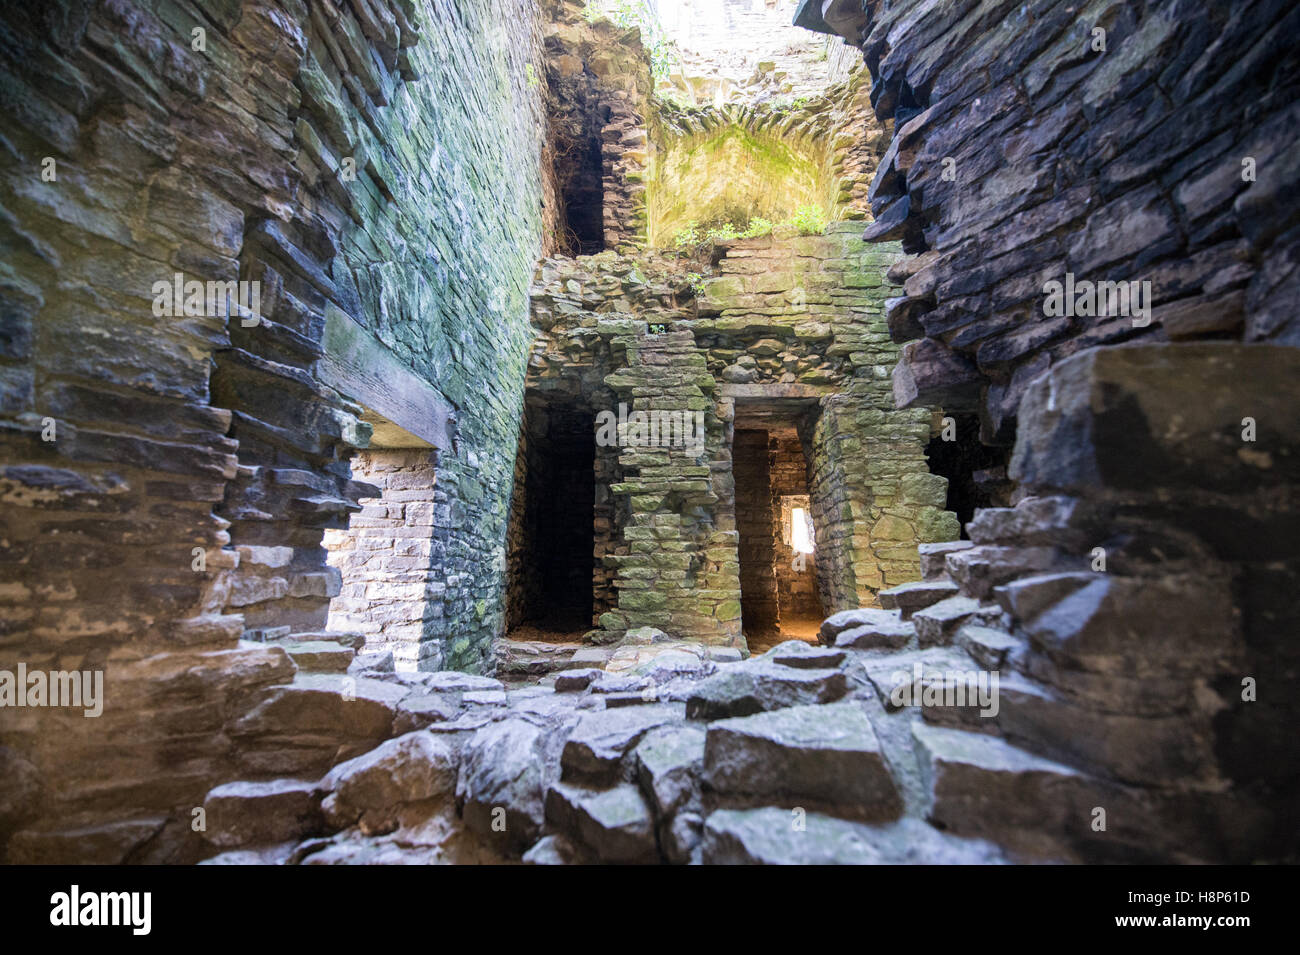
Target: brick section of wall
390,558
796,582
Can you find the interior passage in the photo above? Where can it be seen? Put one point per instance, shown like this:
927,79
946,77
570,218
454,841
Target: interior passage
778,577
555,566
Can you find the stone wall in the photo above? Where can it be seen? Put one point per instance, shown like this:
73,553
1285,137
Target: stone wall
808,312
598,92
1140,602
168,479
734,162
784,325
1120,155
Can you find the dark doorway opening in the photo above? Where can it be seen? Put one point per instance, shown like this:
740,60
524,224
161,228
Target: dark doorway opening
752,472
976,472
552,585
584,198
578,118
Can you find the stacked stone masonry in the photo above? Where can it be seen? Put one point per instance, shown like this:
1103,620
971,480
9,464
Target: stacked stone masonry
297,631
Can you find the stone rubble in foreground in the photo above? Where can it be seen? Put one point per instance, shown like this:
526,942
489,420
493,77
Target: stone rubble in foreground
797,756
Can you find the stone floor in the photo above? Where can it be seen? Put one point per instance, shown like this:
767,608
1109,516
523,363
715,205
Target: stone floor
664,751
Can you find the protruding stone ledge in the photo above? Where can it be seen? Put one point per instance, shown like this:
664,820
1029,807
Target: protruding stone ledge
1205,417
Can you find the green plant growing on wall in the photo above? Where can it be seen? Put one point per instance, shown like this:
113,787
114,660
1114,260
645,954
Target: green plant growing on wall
639,14
809,220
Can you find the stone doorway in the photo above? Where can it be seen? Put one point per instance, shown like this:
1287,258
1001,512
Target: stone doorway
552,563
780,597
392,554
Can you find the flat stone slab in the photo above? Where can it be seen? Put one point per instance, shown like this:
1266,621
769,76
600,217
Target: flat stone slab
871,628
584,657
805,656
742,689
824,755
909,598
575,681
595,748
934,557
452,680
773,836
320,656
520,658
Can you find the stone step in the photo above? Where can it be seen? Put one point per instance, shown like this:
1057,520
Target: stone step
934,557
320,656
989,646
319,719
897,679
241,814
867,628
937,624
757,685
980,786
978,570
533,659
822,757
376,661
772,836
283,635
907,599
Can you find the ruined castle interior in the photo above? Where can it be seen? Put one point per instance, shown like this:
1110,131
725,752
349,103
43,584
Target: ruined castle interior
649,431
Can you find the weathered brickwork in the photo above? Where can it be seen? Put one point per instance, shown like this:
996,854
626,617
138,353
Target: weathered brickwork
385,560
790,325
168,480
1116,158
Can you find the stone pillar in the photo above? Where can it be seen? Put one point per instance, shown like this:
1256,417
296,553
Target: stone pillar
679,573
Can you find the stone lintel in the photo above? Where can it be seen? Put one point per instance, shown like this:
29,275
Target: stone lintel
361,367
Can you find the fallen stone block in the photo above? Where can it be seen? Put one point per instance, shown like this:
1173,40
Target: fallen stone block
909,598
754,686
370,789
255,813
615,824
826,757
